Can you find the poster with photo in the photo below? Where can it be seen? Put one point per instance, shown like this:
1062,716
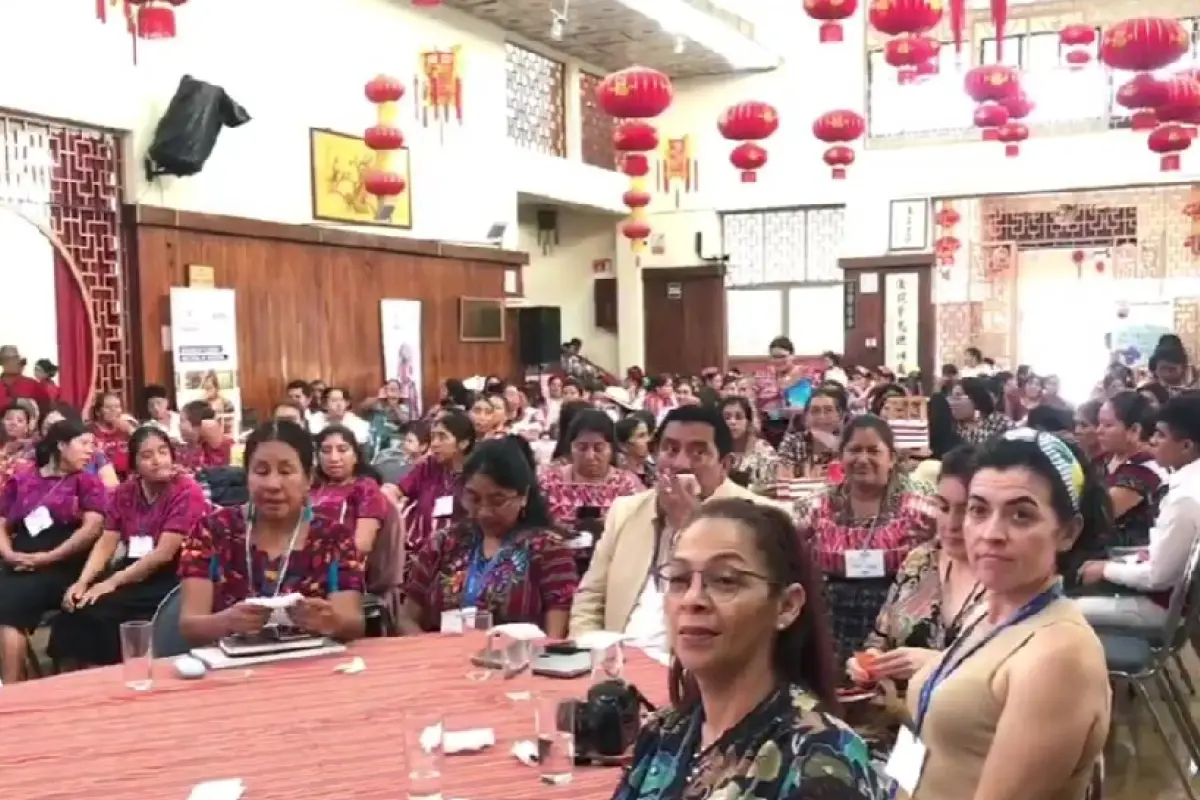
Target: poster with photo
204,352
401,321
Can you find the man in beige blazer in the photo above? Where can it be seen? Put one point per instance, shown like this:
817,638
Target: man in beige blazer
618,593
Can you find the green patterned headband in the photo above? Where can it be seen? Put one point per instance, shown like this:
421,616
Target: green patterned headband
1056,450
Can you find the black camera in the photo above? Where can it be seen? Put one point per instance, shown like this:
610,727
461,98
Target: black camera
608,723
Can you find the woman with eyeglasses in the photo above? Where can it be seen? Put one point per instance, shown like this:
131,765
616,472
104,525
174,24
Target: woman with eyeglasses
506,558
753,698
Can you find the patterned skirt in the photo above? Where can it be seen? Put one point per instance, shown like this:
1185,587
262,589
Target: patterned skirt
853,607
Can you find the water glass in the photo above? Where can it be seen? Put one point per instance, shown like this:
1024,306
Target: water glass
554,727
608,663
479,622
136,658
423,734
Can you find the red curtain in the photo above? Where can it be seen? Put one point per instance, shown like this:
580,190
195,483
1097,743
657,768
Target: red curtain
74,336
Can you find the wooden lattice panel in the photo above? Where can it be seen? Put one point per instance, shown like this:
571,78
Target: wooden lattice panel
596,126
537,113
1187,325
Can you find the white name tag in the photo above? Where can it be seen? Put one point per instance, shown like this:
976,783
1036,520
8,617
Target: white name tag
37,521
452,622
443,506
865,564
139,546
907,760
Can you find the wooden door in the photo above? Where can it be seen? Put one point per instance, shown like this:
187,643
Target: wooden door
867,310
685,319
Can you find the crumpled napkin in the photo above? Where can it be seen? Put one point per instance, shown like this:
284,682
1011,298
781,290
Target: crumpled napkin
522,631
351,667
468,741
526,752
228,789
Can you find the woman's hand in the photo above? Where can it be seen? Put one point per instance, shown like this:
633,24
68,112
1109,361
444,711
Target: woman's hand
73,596
861,667
11,556
244,618
902,663
31,562
96,592
315,615
1092,572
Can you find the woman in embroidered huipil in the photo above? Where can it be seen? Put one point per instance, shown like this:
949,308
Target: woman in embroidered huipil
505,558
344,488
489,414
431,493
1125,424
633,438
273,546
812,444
99,465
771,385
524,418
588,477
18,443
755,463
753,697
112,429
148,515
49,517
862,529
976,413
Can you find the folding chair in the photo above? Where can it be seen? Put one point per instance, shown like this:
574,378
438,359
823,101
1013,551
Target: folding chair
1141,658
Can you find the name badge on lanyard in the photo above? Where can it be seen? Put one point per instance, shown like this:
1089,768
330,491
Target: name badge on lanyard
907,761
865,564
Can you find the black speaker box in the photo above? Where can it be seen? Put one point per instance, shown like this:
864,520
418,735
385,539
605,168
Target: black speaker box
540,335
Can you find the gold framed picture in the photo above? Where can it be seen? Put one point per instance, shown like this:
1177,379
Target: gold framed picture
339,166
480,319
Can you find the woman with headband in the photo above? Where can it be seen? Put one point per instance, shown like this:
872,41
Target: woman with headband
1019,704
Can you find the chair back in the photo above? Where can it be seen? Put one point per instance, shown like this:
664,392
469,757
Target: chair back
385,564
166,640
1184,604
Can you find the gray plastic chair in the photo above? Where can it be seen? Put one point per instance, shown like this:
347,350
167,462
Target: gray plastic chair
166,640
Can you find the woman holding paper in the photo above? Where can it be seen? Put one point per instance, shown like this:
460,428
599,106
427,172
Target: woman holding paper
148,516
270,549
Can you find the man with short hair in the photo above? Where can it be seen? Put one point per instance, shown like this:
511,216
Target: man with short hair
205,444
301,393
15,384
973,366
619,592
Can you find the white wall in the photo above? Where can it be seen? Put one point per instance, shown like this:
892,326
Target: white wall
27,273
561,275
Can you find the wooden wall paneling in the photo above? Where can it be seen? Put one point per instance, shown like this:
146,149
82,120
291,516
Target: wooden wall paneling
308,299
686,334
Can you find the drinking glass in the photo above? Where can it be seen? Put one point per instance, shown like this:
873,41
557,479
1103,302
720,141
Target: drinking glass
478,627
137,664
554,727
423,734
608,663
516,657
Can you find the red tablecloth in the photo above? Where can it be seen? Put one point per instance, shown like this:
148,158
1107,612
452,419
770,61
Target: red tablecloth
291,731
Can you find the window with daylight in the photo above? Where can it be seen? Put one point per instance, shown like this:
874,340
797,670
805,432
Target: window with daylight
1059,94
536,87
935,103
1121,117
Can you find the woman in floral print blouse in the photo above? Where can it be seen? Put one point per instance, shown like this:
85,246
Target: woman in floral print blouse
504,558
754,460
273,546
976,413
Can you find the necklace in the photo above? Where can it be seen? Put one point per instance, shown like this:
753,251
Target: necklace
270,575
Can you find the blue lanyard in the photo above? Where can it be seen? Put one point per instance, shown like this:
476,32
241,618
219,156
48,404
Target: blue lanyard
949,663
477,574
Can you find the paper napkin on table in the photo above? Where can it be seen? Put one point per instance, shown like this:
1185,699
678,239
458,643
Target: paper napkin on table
351,667
599,640
526,752
230,789
468,741
278,602
523,631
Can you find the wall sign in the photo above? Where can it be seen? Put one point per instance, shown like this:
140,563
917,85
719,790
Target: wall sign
908,226
901,318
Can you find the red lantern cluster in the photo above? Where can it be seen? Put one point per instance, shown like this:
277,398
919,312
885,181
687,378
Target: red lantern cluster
633,96
385,139
1143,45
831,14
910,51
155,19
994,87
947,245
1076,42
748,122
839,128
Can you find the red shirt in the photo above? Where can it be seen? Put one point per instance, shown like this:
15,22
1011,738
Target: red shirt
202,455
21,386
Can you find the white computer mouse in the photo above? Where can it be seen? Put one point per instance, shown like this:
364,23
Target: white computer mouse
190,667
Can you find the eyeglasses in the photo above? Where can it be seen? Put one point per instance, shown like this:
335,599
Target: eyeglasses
718,582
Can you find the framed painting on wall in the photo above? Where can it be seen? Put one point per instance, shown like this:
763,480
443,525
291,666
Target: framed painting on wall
480,319
339,166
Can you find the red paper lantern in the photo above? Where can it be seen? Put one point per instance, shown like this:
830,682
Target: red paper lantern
748,121
1142,94
1077,41
895,17
948,217
1018,105
839,158
990,115
1144,44
635,165
1181,101
830,13
635,230
748,157
635,198
991,82
908,53
1169,141
635,93
155,20
384,184
384,89
383,137
635,136
1012,134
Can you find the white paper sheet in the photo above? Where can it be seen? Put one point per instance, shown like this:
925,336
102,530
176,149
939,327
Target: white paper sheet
523,631
229,789
275,603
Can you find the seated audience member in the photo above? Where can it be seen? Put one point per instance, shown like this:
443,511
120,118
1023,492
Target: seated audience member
752,672
431,493
273,546
1151,578
336,404
111,426
524,417
345,487
617,594
49,517
505,557
943,433
1052,419
205,445
1133,478
755,464
863,528
410,446
44,372
590,477
934,591
1018,706
977,413
17,443
1155,393
99,465
157,405
811,443
301,393
1087,422
633,439
148,516
291,411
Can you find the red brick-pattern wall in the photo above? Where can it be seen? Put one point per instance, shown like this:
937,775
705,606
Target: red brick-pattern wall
85,213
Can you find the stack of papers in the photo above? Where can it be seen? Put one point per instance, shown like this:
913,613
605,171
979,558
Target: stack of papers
230,789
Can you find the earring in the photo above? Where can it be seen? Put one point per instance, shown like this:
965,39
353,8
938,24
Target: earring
307,514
